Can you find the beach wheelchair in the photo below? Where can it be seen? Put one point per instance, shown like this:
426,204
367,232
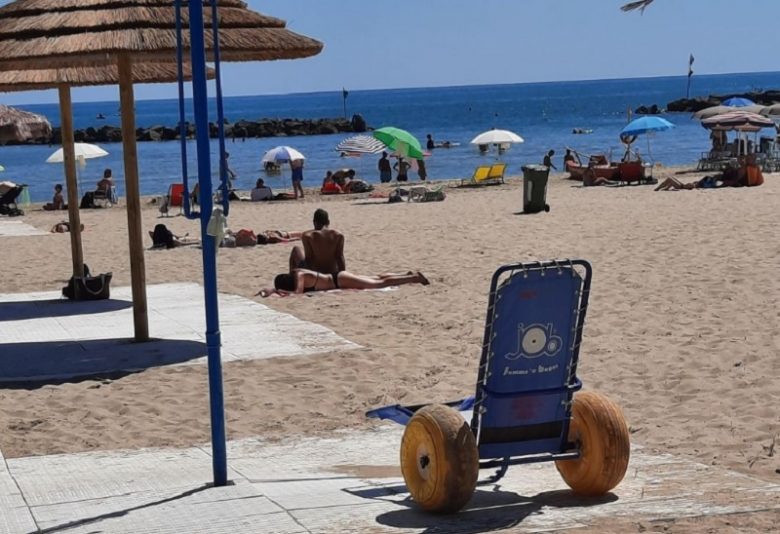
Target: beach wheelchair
525,409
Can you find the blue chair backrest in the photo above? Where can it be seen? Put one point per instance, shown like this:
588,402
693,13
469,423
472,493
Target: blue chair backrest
527,372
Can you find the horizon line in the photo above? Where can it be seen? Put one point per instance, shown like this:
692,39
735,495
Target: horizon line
419,87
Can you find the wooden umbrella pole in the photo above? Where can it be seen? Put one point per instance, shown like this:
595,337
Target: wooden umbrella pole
134,223
69,157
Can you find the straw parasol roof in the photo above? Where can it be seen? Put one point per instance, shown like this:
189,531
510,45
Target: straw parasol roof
124,34
32,80
69,33
18,125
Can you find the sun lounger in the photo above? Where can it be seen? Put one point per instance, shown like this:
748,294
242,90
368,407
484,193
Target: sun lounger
105,197
481,174
496,173
425,194
524,409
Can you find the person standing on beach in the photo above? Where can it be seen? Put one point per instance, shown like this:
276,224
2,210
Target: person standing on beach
548,160
403,170
231,175
421,171
297,177
385,170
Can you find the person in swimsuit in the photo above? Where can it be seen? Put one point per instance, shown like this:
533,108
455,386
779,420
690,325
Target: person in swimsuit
270,237
323,248
305,281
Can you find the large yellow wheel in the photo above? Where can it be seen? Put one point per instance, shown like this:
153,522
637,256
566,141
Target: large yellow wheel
598,426
439,459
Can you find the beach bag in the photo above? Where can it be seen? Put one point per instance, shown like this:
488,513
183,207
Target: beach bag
245,238
754,176
88,287
359,186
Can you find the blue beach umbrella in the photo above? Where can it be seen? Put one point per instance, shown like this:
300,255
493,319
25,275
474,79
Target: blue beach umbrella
644,125
738,102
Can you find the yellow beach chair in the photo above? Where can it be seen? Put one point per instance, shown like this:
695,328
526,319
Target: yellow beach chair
496,173
481,174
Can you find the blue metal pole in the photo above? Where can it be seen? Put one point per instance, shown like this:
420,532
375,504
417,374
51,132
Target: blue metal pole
213,341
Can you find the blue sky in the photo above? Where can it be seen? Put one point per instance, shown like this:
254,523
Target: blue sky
421,43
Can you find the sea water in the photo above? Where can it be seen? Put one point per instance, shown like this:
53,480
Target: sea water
544,114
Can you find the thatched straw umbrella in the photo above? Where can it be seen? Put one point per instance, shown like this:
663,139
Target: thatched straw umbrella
28,80
38,80
18,125
42,34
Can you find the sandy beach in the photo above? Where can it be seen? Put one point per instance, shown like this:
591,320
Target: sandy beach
681,331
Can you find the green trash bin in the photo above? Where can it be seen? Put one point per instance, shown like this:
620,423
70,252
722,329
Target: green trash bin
535,188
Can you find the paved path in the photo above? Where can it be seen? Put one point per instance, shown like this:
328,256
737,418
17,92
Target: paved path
346,484
46,337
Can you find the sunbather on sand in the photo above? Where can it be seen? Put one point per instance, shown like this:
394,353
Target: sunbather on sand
162,237
731,177
306,281
270,237
589,178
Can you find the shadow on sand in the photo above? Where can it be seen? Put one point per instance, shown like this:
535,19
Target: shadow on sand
489,509
36,364
39,309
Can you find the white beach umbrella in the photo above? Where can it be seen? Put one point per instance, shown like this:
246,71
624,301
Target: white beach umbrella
281,154
84,151
497,137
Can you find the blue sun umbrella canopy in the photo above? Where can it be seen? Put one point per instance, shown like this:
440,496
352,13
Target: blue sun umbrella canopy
738,102
643,125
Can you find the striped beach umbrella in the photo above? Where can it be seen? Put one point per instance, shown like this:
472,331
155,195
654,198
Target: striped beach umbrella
738,120
361,144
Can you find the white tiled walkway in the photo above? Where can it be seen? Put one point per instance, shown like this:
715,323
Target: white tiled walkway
43,336
346,484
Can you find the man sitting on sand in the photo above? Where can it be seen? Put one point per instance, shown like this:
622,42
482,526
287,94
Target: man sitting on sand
323,248
57,202
261,191
305,281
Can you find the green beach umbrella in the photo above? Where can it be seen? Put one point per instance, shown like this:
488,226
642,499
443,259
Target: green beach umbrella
401,141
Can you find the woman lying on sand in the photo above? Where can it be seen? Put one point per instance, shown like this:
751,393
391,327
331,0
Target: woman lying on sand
270,237
306,281
162,237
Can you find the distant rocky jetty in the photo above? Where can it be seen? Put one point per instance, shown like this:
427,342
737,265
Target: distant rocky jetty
765,98
239,130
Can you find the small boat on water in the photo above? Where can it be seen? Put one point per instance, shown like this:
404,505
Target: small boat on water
100,116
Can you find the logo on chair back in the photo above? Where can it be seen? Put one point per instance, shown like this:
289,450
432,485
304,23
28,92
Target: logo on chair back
534,341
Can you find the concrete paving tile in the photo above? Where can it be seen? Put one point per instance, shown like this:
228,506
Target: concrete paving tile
66,478
188,510
44,337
